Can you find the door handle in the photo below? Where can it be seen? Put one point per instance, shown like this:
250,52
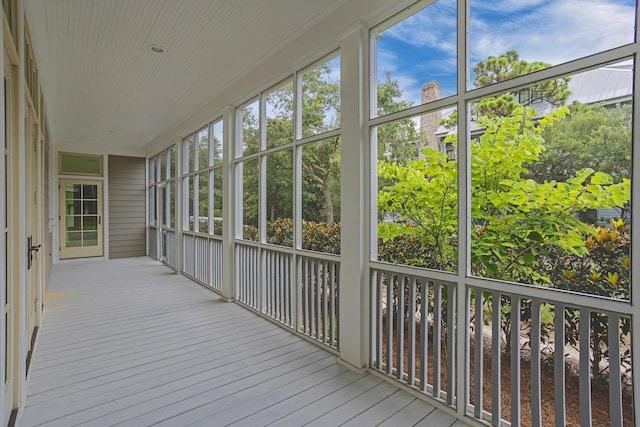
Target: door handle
30,249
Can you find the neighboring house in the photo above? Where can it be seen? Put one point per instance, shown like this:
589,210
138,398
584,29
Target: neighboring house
611,86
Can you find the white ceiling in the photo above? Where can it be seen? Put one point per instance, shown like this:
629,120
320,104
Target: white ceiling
102,83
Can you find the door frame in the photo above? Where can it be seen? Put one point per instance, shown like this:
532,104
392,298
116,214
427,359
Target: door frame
35,229
10,333
79,252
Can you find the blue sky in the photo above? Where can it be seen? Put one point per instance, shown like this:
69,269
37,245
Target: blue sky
423,47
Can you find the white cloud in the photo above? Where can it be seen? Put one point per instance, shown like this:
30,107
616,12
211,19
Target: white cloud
556,32
433,27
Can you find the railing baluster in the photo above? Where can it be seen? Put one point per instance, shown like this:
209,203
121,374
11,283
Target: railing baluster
240,267
316,299
279,284
257,283
337,305
424,335
478,346
536,389
303,292
496,392
287,290
378,313
400,328
585,368
411,365
332,296
308,299
437,339
451,336
284,268
325,295
389,277
615,378
558,365
515,360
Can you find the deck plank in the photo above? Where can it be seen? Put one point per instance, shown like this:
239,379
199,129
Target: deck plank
129,342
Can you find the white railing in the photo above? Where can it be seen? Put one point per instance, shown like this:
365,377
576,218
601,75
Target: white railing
413,331
584,353
188,253
319,297
278,290
529,358
215,262
248,275
298,290
202,259
170,246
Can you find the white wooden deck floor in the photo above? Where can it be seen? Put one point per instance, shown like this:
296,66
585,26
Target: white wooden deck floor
128,342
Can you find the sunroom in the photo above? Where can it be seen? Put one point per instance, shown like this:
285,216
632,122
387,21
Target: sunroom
435,195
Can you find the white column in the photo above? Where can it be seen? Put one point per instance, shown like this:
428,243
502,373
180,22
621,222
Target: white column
464,211
179,205
228,204
354,284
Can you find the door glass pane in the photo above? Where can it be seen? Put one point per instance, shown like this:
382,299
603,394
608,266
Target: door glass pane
74,223
90,238
90,222
90,191
74,239
73,191
90,208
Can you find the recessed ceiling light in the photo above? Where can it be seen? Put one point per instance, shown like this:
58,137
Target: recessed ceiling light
156,48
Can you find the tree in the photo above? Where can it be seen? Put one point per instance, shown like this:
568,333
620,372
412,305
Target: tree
399,140
590,136
515,220
496,69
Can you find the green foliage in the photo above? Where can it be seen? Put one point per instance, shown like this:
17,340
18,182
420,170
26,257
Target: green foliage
397,141
589,137
509,65
424,193
515,220
316,236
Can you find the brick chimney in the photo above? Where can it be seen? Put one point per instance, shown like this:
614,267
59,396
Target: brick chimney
429,123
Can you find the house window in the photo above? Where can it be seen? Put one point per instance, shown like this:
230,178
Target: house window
80,164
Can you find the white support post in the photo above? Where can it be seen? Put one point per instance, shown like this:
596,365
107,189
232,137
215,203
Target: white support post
354,285
464,215
179,205
228,204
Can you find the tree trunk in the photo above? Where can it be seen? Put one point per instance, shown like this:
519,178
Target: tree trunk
328,203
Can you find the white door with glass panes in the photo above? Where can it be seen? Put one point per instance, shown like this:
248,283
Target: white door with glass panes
80,218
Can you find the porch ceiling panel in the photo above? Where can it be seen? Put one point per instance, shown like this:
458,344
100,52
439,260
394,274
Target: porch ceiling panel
103,84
